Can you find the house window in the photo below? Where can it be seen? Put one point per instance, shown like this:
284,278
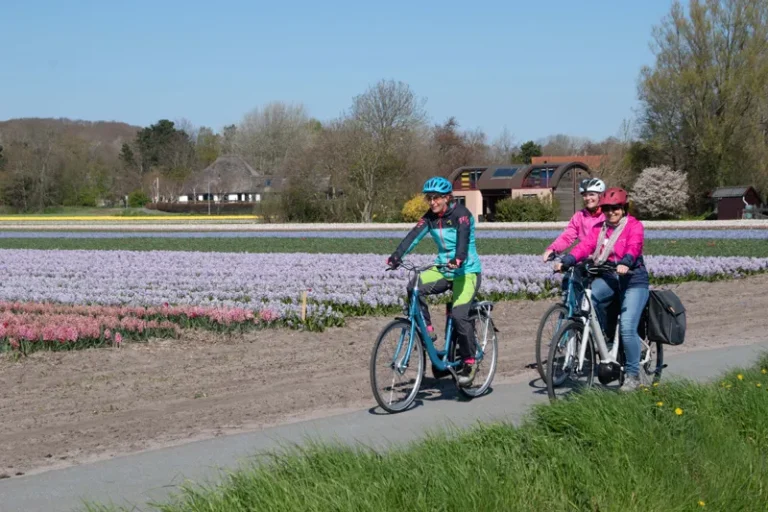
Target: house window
539,178
504,172
461,200
469,179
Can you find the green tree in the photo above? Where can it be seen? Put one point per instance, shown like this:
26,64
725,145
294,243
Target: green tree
207,147
528,150
705,100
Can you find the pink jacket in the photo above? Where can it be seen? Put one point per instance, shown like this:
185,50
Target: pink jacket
580,226
628,248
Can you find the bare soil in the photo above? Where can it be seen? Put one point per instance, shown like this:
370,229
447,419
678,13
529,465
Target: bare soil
64,408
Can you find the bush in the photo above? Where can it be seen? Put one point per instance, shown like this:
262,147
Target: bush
415,208
526,210
660,193
137,199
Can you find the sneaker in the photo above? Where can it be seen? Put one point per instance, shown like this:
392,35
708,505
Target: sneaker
467,373
631,383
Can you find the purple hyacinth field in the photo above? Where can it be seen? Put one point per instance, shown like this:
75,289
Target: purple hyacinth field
336,284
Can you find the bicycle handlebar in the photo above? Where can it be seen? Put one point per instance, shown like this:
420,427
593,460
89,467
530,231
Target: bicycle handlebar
413,268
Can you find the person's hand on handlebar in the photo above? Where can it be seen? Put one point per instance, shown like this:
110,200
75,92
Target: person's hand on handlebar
622,269
454,264
558,267
546,255
393,262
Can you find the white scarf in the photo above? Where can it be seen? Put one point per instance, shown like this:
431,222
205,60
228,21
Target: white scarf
604,247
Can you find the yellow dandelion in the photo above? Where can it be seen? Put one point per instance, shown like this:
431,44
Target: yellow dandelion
728,386
679,411
759,385
659,404
702,504
645,389
764,371
655,384
740,377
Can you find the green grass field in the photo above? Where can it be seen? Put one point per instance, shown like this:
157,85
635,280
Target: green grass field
685,247
677,447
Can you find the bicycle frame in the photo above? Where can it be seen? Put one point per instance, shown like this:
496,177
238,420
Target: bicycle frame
593,330
439,358
592,324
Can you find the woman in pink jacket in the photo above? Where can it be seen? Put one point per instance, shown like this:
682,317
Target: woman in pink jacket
583,220
618,240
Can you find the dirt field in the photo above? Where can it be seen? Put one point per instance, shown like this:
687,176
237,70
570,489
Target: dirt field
59,409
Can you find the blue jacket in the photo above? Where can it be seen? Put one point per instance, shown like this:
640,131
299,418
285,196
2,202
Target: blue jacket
454,233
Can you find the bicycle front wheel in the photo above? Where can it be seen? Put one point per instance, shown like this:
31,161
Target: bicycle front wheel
550,323
563,361
486,345
395,374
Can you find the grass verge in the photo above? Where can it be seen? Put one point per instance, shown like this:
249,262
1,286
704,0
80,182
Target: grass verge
682,247
676,447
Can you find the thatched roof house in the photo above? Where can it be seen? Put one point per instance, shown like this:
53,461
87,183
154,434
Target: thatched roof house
230,178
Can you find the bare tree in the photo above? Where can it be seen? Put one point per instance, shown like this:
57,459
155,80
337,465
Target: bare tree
503,149
378,135
269,136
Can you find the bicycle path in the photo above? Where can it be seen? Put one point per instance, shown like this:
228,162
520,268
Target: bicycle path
134,480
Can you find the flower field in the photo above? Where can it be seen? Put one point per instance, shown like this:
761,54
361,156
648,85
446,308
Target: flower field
69,297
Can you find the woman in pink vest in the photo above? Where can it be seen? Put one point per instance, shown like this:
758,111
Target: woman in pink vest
618,240
582,221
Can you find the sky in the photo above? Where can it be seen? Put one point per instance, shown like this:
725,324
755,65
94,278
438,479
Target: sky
534,68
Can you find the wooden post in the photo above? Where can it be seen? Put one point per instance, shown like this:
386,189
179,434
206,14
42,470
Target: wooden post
304,305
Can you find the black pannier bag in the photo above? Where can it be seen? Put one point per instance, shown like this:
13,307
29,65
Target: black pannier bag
665,318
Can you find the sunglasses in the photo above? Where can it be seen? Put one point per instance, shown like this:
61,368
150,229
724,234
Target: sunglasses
611,207
434,197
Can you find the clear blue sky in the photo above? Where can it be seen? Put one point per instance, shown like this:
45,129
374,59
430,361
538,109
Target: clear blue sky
560,66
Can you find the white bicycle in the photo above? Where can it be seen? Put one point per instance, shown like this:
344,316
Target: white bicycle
579,348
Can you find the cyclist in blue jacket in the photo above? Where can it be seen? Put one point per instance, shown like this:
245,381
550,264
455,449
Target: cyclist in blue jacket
452,227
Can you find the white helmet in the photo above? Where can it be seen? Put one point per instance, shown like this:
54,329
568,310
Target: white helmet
592,185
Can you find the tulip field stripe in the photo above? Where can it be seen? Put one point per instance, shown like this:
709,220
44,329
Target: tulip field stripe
309,243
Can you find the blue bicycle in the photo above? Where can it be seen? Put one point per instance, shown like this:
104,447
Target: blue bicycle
397,361
556,316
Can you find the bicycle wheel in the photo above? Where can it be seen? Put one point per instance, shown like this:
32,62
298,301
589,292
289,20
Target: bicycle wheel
486,352
651,362
394,380
548,326
562,361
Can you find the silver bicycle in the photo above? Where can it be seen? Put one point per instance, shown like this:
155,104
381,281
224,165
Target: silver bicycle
579,349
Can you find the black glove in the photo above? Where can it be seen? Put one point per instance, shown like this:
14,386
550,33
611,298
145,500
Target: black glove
394,261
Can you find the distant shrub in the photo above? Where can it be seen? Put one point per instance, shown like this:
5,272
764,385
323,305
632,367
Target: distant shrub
526,209
415,208
137,199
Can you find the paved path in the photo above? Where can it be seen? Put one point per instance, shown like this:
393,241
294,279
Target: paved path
134,480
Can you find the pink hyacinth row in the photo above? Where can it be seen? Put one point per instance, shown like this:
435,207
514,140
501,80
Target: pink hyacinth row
220,315
60,323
